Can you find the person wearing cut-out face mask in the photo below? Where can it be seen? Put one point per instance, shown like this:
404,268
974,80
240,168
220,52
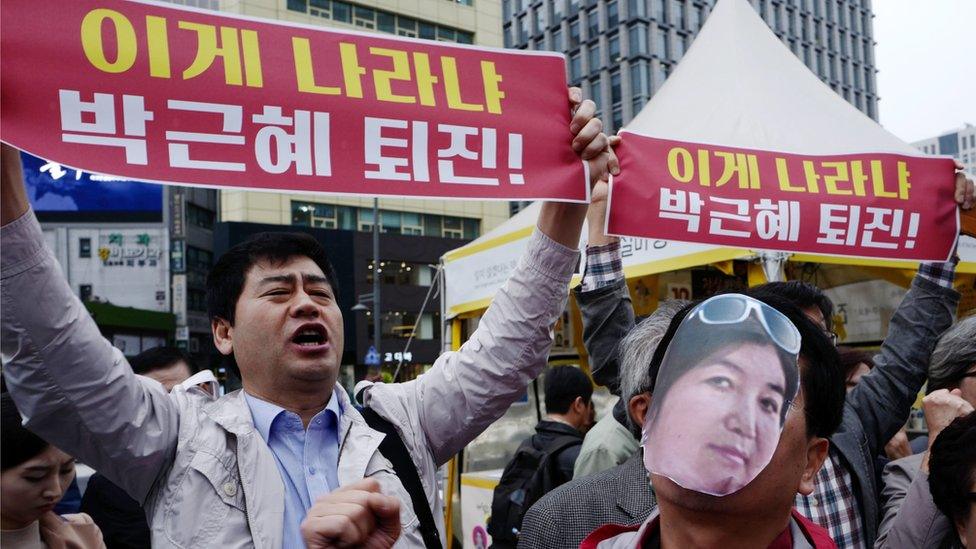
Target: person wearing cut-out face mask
745,397
721,414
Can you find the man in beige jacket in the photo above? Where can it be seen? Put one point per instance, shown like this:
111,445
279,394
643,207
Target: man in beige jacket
213,472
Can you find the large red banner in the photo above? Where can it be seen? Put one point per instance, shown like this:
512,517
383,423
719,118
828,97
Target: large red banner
871,205
159,93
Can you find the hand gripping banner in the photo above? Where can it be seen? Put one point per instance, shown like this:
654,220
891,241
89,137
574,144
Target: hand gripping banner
160,93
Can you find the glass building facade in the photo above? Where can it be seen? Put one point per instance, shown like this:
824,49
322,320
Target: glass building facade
621,51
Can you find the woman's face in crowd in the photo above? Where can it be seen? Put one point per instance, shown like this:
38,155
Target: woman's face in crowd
720,421
32,488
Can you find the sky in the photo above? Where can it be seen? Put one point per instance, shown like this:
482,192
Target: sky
926,61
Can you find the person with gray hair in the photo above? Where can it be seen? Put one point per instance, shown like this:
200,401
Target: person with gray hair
614,439
953,363
910,517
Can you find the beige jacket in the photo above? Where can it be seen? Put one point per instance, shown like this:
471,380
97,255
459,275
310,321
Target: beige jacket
55,531
203,472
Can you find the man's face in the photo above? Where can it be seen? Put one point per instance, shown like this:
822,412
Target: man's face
792,469
287,331
172,375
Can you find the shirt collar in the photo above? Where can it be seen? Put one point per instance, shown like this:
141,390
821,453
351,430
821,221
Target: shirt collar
264,413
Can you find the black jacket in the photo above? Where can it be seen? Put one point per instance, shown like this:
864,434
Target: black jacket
120,518
546,432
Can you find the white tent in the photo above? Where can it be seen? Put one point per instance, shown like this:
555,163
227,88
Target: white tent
737,85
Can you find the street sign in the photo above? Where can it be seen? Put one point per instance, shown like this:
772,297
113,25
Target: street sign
372,357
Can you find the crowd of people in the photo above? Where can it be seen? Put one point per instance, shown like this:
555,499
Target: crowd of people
739,422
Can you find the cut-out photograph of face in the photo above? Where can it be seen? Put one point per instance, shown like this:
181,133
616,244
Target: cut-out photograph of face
721,395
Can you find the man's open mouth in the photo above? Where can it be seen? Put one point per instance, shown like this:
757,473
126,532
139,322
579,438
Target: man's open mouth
310,335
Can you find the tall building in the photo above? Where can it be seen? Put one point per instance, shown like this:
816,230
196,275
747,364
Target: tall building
463,21
621,51
959,144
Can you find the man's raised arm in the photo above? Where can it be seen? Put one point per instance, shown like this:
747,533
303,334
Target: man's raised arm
469,389
74,389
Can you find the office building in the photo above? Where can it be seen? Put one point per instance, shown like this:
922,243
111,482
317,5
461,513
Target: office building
959,144
621,51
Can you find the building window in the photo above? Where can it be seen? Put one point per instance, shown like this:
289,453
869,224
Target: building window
594,52
657,8
661,43
638,40
636,8
370,18
84,248
196,300
613,15
557,40
677,13
402,273
596,94
452,227
660,75
574,34
200,217
197,258
411,224
593,24
575,69
558,9
613,44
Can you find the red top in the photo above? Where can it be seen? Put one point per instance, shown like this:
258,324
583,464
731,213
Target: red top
816,535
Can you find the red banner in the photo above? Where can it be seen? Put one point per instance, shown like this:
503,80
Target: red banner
158,93
865,205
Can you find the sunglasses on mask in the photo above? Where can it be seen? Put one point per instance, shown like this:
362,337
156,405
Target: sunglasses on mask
734,308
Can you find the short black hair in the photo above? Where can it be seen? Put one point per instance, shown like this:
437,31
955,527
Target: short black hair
226,279
821,378
160,358
18,444
802,294
952,467
564,384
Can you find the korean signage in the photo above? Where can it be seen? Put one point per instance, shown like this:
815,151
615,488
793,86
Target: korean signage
866,205
129,249
166,94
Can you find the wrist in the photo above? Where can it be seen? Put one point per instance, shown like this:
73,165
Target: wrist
562,222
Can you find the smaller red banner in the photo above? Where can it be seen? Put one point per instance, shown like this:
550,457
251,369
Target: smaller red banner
874,205
155,92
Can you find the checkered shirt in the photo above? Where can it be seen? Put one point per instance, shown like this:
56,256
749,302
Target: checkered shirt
833,504
943,274
603,266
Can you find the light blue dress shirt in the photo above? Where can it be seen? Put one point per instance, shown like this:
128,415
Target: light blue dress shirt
308,460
